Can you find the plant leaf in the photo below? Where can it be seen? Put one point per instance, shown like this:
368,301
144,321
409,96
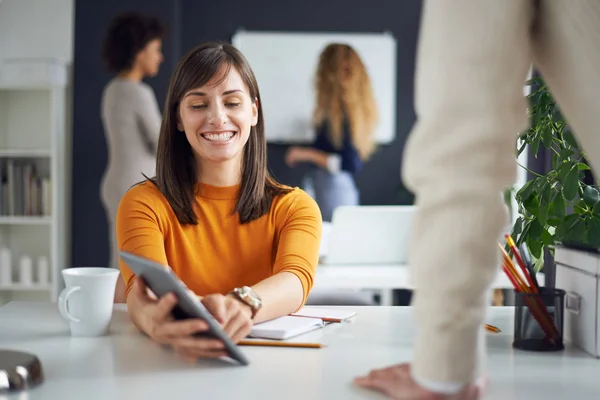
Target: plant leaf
555,161
535,230
535,145
570,139
591,196
532,205
583,167
534,242
525,233
559,206
571,184
547,238
538,265
577,232
564,170
565,153
547,136
596,210
517,228
526,191
594,231
580,207
567,224
553,221
521,148
542,215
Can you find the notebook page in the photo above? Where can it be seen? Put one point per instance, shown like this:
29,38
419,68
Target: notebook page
285,327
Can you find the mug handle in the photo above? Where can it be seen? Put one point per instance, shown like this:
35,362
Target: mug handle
62,303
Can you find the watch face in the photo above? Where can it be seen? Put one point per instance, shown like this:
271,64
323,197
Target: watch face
250,295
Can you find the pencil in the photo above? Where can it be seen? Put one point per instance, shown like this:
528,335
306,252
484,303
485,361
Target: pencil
511,267
513,246
492,328
324,319
527,259
268,343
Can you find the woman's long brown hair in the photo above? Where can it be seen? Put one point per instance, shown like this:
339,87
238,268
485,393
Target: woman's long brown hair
176,170
344,92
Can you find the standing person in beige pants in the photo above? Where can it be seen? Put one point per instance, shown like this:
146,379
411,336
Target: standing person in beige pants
473,59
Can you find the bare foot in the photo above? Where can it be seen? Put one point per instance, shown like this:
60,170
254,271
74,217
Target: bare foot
397,383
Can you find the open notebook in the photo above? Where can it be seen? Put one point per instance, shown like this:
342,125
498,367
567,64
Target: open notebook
304,320
326,314
285,327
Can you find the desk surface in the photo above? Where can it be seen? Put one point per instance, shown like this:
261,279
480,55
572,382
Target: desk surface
126,365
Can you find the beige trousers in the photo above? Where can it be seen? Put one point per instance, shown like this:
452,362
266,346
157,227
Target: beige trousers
473,58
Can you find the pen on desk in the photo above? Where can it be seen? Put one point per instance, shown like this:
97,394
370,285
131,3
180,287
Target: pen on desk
268,343
492,328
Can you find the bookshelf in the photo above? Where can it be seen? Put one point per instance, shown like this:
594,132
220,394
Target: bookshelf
34,188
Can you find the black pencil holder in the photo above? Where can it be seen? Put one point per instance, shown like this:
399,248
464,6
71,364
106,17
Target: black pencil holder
533,334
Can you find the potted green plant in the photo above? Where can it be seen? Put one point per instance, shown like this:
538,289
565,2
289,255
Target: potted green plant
555,207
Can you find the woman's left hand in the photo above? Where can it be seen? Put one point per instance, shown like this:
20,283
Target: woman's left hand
234,316
296,155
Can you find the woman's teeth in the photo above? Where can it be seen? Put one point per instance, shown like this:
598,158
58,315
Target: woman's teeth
218,137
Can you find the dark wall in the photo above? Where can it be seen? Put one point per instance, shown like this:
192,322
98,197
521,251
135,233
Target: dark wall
191,22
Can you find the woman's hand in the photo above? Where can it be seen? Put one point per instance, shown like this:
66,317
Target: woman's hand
153,317
234,316
297,155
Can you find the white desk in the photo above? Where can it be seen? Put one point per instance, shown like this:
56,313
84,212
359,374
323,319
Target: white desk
384,278
126,365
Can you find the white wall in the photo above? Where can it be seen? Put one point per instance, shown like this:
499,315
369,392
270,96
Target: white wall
37,28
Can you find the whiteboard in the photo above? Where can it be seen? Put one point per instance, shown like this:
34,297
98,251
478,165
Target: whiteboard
285,63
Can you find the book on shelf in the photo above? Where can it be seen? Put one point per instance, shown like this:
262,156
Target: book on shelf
23,192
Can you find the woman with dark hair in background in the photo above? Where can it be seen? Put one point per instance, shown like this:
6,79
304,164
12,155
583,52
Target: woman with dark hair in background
345,117
130,114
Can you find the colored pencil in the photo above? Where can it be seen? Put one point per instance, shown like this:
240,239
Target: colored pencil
527,259
520,261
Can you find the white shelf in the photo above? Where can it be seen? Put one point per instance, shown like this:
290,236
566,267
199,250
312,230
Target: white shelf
25,153
17,287
25,220
34,131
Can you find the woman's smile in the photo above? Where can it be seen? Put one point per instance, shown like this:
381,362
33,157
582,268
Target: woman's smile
218,137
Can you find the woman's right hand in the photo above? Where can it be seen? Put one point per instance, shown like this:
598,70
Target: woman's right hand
153,317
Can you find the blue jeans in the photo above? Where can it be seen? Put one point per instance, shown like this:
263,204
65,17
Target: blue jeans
331,190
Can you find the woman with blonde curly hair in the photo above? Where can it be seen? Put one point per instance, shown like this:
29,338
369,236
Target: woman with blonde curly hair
344,118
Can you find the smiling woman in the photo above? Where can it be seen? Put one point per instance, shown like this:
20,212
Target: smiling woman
244,243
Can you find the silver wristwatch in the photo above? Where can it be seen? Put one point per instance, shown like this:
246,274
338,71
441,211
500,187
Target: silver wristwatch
249,297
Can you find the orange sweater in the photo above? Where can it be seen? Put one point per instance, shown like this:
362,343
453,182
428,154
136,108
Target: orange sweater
219,253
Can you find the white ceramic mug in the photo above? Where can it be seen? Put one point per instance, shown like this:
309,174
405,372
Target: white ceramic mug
87,300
